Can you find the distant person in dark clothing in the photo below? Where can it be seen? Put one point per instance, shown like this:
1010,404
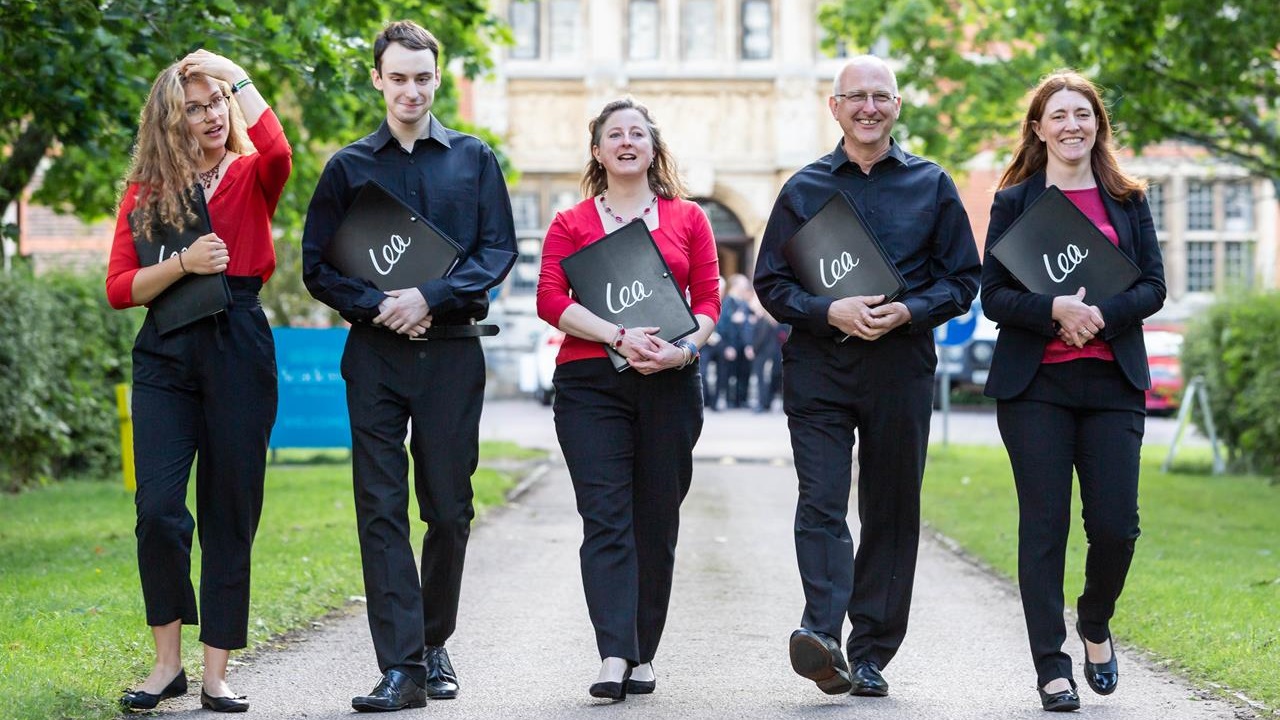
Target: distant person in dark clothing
733,374
767,339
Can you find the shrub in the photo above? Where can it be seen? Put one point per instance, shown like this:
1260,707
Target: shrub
1234,346
62,351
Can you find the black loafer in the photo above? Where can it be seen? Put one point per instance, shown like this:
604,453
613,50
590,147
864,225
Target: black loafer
1064,701
442,681
141,700
223,704
396,691
641,687
612,690
867,680
1101,677
818,657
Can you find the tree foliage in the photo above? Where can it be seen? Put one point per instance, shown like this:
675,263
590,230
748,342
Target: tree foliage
1201,71
77,73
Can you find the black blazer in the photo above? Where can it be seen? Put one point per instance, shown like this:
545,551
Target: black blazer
1025,318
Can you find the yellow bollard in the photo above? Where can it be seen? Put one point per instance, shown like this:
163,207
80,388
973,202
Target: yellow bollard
126,435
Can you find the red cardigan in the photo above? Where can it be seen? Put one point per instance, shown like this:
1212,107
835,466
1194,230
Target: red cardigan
240,212
683,237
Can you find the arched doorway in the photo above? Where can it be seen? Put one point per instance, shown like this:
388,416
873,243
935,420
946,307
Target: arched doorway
733,245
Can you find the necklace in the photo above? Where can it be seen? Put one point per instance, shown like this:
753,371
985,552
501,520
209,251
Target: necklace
208,176
604,202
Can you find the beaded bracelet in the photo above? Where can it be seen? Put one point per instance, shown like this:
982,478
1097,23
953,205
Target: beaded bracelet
617,338
238,86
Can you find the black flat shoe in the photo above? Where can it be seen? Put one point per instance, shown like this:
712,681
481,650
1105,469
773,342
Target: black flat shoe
612,690
396,691
1065,701
223,704
867,680
1101,677
442,681
641,687
819,658
141,700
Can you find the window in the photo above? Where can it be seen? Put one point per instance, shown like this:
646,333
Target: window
1199,206
1155,197
525,29
525,210
698,30
642,30
564,29
1237,265
757,30
1237,202
1199,267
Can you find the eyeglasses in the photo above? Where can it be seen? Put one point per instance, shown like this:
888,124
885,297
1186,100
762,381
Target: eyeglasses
858,97
196,111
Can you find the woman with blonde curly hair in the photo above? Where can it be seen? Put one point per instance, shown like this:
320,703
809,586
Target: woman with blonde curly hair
207,388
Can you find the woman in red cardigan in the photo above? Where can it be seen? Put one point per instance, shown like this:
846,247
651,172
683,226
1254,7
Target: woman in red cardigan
208,387
628,437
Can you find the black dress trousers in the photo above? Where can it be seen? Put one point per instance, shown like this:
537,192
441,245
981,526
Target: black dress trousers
628,442
883,390
1085,415
437,386
205,391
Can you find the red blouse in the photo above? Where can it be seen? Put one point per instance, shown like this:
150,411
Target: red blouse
683,237
240,211
1089,201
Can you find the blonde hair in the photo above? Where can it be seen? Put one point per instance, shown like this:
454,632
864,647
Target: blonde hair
1031,157
663,178
166,153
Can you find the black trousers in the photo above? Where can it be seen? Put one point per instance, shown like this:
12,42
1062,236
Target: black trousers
438,385
1084,415
628,442
209,391
884,391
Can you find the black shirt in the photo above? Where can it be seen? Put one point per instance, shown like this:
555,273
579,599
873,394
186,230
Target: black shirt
450,177
914,210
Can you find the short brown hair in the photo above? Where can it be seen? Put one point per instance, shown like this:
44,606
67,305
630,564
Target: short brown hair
409,34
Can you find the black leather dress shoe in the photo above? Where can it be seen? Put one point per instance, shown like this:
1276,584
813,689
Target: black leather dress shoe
1064,701
223,704
818,657
612,690
442,681
396,691
867,680
1102,677
141,700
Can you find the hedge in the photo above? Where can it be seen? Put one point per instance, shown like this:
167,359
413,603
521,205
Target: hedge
1235,346
62,351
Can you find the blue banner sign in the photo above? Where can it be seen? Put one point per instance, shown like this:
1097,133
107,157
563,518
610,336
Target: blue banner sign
313,396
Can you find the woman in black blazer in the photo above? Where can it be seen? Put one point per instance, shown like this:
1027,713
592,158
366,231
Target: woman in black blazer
1069,374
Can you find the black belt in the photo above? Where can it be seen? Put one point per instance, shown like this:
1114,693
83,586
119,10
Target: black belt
453,332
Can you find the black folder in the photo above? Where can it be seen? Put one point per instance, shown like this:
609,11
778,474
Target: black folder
623,278
192,297
834,254
1055,249
390,244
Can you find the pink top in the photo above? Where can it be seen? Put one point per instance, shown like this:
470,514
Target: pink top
240,211
683,237
1089,201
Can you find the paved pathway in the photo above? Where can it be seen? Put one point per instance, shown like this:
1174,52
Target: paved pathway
524,646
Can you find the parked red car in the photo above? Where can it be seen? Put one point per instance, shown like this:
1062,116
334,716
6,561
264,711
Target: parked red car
1164,343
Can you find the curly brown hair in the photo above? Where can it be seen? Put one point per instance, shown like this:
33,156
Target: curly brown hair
1031,157
664,181
166,153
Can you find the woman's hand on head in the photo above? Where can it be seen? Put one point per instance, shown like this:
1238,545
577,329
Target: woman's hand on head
216,66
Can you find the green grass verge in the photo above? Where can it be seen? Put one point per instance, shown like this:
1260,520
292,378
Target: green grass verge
1203,595
72,631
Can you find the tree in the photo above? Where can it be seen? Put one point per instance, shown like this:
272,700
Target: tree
77,73
1193,70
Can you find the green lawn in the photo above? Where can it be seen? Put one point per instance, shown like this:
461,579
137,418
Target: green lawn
1204,591
72,633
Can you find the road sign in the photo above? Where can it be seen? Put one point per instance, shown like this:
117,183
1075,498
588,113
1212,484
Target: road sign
958,330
